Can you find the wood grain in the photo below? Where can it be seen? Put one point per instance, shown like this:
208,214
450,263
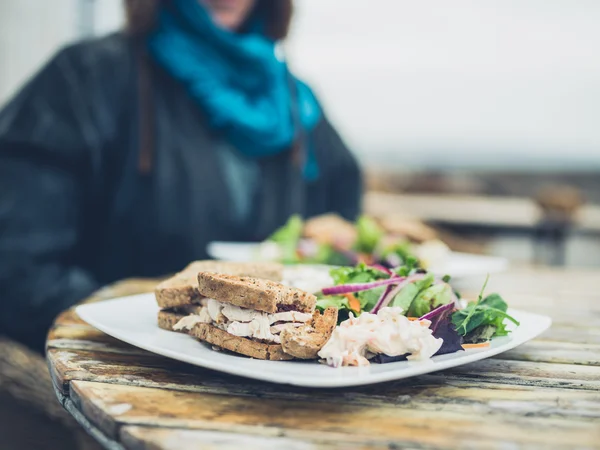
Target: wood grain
111,406
543,394
468,209
152,438
542,350
81,348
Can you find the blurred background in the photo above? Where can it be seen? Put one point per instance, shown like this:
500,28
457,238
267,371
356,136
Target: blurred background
442,102
481,119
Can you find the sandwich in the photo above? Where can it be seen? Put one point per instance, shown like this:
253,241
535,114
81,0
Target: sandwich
248,315
178,296
331,229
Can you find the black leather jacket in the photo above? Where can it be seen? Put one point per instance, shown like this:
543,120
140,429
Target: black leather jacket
76,210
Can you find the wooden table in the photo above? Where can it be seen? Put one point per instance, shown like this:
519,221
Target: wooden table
544,394
492,216
477,211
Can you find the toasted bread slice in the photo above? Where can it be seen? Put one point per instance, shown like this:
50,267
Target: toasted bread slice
331,229
413,229
237,344
167,319
305,342
182,288
253,293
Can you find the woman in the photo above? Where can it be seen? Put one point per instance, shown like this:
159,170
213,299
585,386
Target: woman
126,155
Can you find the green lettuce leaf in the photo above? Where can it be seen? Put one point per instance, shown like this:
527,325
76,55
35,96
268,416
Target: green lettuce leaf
408,293
405,297
403,251
326,254
357,274
287,238
369,235
335,301
480,334
368,299
430,298
410,265
490,310
332,301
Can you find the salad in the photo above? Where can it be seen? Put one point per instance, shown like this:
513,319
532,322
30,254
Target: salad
330,239
393,314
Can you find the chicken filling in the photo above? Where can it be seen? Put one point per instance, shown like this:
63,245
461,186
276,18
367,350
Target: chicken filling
243,322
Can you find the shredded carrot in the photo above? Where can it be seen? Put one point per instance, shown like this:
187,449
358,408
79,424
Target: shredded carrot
423,323
482,345
353,302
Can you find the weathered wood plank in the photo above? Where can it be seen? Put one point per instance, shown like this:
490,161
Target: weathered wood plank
555,346
556,304
146,369
568,284
118,367
83,338
147,438
529,373
507,211
69,318
428,392
61,336
555,352
572,334
75,339
111,406
524,398
584,316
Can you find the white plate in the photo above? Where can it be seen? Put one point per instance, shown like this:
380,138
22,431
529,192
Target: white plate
457,265
134,320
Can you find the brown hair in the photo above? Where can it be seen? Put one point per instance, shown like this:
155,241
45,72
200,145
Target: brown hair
141,15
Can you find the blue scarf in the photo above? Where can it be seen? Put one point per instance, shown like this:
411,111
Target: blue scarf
245,91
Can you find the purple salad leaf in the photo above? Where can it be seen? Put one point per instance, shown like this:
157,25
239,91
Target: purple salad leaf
442,328
452,341
384,359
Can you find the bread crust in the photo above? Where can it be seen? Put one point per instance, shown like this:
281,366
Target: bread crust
253,293
182,288
227,282
331,229
254,349
306,341
167,319
302,343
